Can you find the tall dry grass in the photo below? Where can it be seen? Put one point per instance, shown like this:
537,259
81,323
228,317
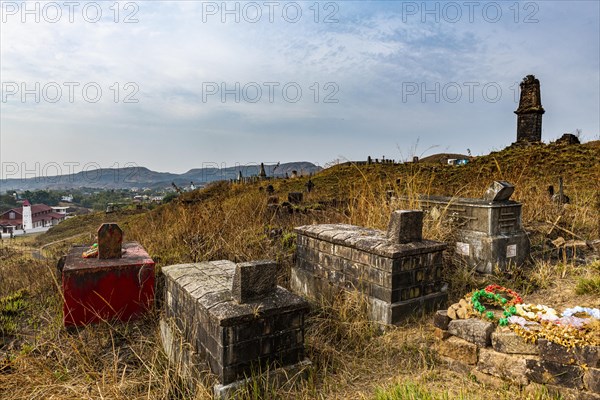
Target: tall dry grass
351,357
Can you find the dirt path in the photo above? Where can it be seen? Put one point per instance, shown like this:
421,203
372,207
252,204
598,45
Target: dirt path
39,253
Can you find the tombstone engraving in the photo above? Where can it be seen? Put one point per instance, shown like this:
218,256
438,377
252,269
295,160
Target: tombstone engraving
110,240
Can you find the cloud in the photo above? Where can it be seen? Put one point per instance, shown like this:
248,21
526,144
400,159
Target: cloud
365,61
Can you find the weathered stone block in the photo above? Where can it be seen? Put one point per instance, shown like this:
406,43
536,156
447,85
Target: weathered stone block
550,351
455,365
441,319
417,307
473,330
254,280
459,349
559,392
488,380
405,226
441,334
343,251
588,355
511,343
325,247
591,380
110,240
499,191
509,367
541,371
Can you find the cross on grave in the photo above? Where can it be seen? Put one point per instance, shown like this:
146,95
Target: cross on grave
405,226
110,239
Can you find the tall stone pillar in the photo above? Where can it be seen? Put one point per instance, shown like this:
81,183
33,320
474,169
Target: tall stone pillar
530,111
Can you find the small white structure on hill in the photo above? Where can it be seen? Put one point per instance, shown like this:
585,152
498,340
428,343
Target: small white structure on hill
27,218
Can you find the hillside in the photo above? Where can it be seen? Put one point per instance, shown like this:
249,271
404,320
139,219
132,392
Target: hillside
129,177
239,222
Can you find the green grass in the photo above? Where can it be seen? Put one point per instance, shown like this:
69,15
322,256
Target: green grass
412,391
11,308
588,286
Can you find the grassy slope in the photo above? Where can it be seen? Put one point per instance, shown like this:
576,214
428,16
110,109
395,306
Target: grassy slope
234,222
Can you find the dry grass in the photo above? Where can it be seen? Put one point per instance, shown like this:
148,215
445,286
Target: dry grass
352,358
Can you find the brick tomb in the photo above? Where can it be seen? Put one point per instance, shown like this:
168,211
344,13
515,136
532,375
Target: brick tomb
233,317
398,271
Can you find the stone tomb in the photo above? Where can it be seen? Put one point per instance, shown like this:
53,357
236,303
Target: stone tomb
235,318
399,272
119,284
489,230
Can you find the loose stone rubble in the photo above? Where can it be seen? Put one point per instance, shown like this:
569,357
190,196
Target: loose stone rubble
520,353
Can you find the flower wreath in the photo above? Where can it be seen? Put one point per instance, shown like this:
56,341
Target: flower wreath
489,294
514,296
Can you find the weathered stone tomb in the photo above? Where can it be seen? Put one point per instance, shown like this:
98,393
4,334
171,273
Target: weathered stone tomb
488,230
398,271
235,318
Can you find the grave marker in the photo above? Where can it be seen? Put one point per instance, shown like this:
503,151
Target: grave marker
110,240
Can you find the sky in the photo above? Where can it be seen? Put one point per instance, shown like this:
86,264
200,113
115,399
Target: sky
176,85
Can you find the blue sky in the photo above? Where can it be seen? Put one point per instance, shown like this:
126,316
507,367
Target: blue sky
377,78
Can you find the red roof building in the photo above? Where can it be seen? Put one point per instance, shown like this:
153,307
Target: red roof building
41,214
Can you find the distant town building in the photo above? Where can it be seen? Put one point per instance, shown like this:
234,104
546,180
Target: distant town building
67,199
29,217
60,210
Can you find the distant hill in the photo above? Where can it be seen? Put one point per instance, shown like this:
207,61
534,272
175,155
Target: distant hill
126,178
